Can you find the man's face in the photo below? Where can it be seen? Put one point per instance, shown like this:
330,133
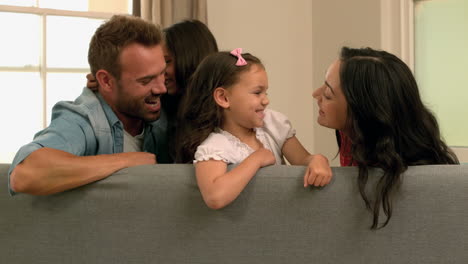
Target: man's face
137,95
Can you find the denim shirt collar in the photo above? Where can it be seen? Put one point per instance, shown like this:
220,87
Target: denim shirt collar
111,116
113,119
155,132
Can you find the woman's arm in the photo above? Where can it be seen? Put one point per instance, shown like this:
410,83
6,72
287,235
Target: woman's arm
318,171
220,187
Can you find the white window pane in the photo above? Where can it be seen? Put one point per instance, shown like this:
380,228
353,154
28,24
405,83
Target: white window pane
63,87
21,109
441,60
18,3
74,5
68,41
20,45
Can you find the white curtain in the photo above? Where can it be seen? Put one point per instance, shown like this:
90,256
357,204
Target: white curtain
168,12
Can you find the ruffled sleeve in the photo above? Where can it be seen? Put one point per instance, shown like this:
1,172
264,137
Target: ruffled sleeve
215,147
278,126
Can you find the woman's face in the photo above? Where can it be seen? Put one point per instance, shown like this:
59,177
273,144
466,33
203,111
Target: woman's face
331,100
170,82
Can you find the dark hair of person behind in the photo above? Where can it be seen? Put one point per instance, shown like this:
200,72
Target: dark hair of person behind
114,35
199,114
388,124
189,42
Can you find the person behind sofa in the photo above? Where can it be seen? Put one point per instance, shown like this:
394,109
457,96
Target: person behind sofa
185,45
100,133
372,98
224,120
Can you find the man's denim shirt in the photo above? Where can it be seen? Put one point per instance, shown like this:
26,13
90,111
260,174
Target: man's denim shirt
88,126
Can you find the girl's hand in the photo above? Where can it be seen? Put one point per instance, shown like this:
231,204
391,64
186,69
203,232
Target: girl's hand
318,172
264,156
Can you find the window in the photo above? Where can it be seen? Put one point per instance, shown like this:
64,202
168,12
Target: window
441,60
43,59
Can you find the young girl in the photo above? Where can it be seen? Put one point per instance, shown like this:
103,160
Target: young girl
224,121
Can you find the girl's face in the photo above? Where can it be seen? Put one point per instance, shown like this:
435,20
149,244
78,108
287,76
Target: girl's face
333,108
170,81
248,99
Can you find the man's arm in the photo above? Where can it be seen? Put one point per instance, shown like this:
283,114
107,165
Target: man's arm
48,171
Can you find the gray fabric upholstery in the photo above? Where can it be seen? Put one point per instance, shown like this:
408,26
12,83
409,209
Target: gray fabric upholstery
155,214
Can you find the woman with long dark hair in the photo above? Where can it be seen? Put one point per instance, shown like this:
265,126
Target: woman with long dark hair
372,99
186,44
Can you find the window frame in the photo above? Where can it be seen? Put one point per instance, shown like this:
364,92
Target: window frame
42,68
397,36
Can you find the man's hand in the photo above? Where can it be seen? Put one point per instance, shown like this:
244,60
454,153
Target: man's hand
318,171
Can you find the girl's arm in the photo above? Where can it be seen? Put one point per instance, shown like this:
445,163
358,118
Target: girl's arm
318,171
220,187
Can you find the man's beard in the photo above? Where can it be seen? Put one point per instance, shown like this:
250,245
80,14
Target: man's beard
135,108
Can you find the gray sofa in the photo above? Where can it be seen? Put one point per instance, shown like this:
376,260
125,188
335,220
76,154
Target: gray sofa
155,214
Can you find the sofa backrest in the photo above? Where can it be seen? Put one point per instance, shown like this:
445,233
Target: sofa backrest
155,214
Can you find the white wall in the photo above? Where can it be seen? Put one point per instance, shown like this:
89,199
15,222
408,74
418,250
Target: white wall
279,33
297,40
336,23
114,6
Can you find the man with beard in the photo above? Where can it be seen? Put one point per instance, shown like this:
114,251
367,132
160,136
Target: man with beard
107,130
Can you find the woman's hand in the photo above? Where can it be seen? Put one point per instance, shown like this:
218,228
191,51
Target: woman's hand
91,83
318,171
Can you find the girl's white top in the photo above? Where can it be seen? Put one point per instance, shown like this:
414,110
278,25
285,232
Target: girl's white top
222,145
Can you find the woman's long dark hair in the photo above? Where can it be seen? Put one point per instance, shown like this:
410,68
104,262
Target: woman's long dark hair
189,41
199,115
388,124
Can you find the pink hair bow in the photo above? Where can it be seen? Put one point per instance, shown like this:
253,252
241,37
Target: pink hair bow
240,60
